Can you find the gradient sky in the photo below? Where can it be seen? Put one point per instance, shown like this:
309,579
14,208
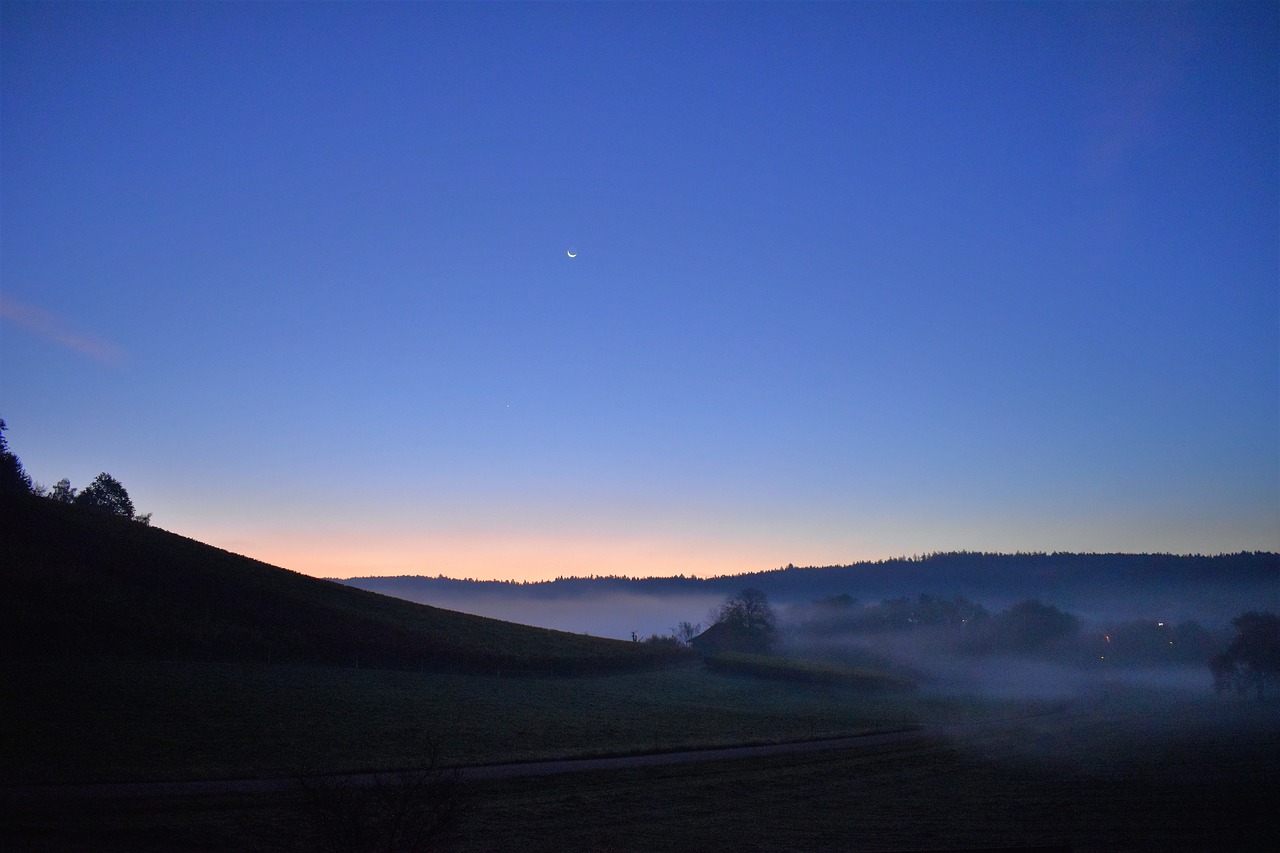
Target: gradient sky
853,280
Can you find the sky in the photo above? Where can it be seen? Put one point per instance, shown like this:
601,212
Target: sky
852,281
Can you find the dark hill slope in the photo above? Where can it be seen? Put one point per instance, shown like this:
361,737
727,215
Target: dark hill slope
77,584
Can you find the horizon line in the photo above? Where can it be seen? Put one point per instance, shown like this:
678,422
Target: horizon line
915,558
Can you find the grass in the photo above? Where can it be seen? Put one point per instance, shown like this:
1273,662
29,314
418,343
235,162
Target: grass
806,671
1117,774
1089,781
140,720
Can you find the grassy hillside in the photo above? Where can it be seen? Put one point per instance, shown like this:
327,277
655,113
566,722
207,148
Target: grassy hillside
806,671
79,585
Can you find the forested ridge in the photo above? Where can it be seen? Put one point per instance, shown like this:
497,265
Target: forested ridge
1047,575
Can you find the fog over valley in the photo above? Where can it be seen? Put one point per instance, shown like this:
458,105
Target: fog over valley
1024,625
1101,589
613,615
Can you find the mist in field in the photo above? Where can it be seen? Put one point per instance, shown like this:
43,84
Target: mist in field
616,616
1111,648
1027,625
611,615
1006,676
1029,649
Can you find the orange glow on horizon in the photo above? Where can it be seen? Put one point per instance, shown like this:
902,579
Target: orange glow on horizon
515,559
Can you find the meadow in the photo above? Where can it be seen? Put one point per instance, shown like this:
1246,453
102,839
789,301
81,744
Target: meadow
128,720
1104,776
1127,769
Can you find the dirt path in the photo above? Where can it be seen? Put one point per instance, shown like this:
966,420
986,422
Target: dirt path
546,768
216,787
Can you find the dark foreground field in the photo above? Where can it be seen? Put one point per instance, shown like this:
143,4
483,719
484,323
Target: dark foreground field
1126,770
1077,780
131,655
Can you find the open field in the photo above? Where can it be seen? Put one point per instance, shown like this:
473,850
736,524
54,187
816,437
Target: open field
803,671
1090,779
132,720
1109,773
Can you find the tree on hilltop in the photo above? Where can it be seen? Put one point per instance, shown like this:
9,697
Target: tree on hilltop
63,492
750,610
13,477
745,622
107,495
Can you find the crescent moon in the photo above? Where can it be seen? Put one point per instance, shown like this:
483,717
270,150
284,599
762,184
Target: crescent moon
572,254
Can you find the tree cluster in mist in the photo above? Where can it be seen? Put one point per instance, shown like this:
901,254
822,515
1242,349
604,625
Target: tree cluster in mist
1252,661
958,626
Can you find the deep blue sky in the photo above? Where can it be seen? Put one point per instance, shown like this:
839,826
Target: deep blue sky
853,280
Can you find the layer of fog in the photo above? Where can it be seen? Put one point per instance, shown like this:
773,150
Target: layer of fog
928,656
615,616
994,675
932,663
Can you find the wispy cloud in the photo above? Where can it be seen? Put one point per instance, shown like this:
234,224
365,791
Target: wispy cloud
52,328
1130,104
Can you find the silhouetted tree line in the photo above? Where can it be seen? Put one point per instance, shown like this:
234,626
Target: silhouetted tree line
1252,661
1032,628
105,494
13,477
841,613
1028,574
1029,627
1058,577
